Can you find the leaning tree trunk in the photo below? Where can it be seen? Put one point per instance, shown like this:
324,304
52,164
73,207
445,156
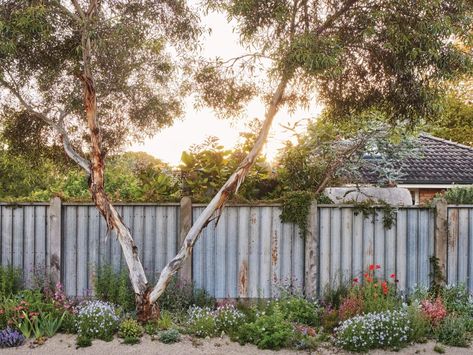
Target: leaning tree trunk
217,204
145,309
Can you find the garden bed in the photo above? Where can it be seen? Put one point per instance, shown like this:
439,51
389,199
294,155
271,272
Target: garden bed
363,315
66,343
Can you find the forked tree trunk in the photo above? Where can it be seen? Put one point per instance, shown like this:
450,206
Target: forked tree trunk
215,207
145,309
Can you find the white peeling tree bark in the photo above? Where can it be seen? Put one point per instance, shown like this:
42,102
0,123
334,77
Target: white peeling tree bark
215,207
145,310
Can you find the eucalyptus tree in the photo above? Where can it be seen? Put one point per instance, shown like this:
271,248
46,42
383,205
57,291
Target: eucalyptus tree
95,74
352,55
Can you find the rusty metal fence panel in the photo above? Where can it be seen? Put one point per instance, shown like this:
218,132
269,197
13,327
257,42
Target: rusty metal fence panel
460,246
250,254
349,242
86,244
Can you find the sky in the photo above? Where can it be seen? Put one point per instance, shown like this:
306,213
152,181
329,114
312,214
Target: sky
196,125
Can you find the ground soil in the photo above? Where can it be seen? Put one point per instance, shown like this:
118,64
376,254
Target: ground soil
62,344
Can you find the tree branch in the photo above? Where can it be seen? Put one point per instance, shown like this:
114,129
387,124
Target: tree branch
330,20
78,9
67,12
59,127
217,204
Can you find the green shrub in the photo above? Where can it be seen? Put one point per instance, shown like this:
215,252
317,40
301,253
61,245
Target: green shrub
68,325
306,342
83,341
179,296
330,319
151,328
453,331
457,299
131,340
202,322
389,329
420,324
169,336
298,309
228,318
11,280
334,295
459,195
114,287
130,328
165,321
269,331
97,320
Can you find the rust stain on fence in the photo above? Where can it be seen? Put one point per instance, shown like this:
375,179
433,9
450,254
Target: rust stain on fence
243,279
274,248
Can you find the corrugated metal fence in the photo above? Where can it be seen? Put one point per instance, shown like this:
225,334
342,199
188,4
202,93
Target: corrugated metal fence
460,245
349,242
250,253
87,245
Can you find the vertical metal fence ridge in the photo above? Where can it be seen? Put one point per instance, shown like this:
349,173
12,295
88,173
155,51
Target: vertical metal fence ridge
251,253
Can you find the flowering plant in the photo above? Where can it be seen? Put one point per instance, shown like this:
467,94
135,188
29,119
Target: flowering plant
202,322
434,310
373,295
228,317
10,338
374,330
97,319
350,307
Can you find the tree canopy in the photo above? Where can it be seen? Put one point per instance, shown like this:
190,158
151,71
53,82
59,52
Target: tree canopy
351,55
136,74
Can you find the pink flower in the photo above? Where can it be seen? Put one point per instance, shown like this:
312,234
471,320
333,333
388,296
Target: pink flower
371,267
356,280
392,276
378,266
435,311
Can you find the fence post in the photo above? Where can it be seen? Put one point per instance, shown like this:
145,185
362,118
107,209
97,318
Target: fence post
54,219
311,253
185,274
441,236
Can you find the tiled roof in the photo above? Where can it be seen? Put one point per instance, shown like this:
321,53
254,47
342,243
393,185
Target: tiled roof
439,162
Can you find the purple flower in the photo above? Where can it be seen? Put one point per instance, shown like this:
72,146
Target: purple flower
10,338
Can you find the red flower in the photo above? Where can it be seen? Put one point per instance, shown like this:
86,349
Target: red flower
378,266
366,275
371,267
355,279
369,279
392,276
384,285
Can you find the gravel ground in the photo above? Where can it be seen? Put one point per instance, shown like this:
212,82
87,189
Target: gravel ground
63,344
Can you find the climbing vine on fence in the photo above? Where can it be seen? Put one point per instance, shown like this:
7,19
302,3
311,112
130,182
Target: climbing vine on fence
296,209
370,208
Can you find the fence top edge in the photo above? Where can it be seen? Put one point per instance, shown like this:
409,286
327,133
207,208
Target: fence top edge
459,206
13,204
177,204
